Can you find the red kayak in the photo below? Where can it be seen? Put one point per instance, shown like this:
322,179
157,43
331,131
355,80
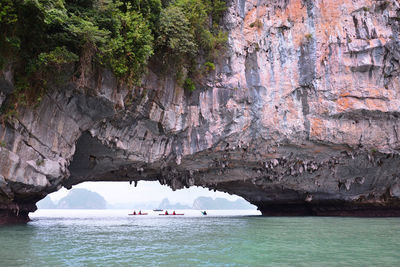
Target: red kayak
138,214
172,214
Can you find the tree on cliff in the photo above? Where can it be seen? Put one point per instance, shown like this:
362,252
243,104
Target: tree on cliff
41,37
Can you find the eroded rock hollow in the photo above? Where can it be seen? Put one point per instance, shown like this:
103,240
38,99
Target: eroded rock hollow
300,117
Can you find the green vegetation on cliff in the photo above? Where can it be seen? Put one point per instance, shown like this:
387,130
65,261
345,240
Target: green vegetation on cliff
40,37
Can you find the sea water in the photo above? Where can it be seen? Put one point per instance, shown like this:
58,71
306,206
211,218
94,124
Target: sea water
222,238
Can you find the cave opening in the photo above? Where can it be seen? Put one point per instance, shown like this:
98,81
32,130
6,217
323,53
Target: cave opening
103,166
146,195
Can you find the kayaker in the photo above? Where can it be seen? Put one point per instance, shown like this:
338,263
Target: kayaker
204,213
140,212
173,213
134,212
166,212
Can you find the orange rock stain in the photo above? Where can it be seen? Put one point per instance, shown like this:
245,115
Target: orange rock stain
344,104
316,127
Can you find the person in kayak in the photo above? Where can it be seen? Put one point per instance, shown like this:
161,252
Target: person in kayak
173,213
166,212
140,212
134,212
204,212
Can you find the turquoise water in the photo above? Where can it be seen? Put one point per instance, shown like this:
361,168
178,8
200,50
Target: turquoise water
111,238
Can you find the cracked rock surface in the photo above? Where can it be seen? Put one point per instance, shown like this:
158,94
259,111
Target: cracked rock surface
300,117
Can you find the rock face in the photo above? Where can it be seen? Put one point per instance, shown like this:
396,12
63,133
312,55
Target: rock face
300,117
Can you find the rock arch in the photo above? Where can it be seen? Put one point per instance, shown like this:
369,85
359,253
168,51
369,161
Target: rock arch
301,116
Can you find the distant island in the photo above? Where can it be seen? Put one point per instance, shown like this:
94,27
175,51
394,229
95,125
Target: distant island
165,204
80,198
46,203
208,203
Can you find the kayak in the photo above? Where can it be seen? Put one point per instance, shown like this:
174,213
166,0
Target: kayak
158,210
172,214
138,214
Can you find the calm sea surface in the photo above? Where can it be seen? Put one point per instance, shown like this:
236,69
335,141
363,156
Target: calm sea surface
223,238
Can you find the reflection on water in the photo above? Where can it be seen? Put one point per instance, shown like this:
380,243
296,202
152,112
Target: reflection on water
109,237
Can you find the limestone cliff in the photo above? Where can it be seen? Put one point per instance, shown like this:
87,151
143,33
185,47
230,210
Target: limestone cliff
301,116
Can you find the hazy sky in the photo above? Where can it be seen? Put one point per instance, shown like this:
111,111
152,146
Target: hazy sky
123,192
